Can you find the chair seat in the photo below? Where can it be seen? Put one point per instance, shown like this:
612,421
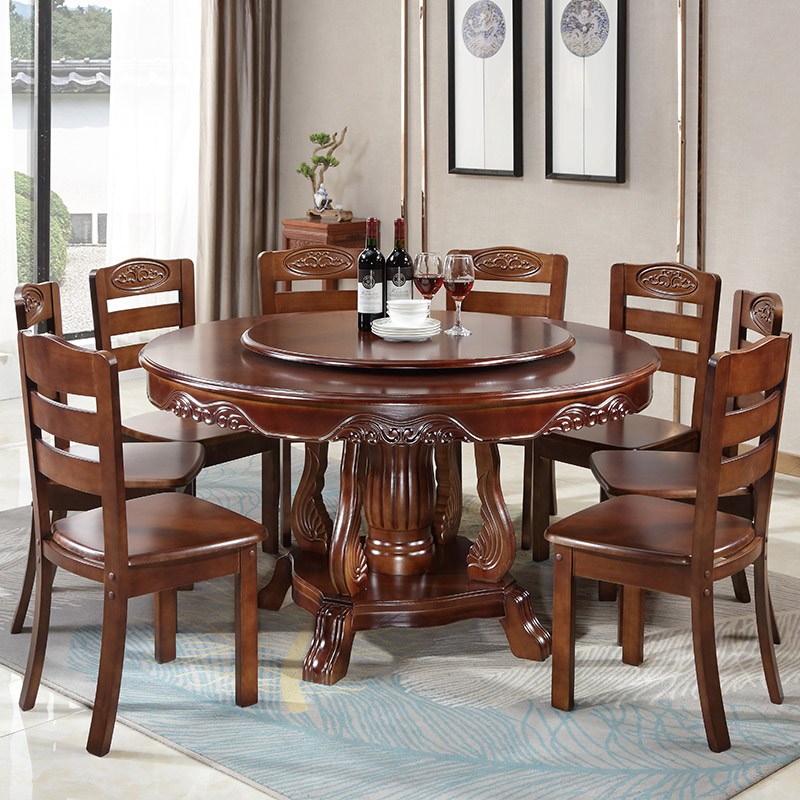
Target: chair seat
637,431
162,527
649,529
162,426
658,474
147,464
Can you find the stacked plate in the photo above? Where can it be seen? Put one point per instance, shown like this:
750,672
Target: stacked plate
386,329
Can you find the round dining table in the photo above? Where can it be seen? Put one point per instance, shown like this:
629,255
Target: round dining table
399,407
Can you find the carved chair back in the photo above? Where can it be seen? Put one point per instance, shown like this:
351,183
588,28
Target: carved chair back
677,303
527,269
37,303
137,278
280,269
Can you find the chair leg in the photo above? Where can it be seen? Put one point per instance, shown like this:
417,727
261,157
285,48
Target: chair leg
27,584
527,498
271,495
246,629
551,490
165,624
776,634
109,674
705,662
632,624
540,503
740,588
38,643
563,670
286,494
764,620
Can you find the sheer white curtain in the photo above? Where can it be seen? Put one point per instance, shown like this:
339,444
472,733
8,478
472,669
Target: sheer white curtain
154,128
9,372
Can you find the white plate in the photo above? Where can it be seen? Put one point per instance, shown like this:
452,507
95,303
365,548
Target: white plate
384,328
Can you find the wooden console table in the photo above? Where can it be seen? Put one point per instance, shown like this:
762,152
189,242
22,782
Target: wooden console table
304,232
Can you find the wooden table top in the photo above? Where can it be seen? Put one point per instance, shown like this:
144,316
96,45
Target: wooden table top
205,372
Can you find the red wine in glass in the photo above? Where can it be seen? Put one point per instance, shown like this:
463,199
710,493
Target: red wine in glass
459,288
428,285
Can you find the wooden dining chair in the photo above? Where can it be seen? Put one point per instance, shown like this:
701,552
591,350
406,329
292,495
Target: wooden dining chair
112,289
535,285
676,304
148,545
643,542
149,468
305,279
674,475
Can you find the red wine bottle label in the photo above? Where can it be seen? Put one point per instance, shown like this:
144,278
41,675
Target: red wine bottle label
398,288
370,295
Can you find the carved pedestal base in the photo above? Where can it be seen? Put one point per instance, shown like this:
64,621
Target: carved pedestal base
444,594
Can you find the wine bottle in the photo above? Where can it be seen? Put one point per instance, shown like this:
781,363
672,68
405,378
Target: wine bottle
371,279
399,266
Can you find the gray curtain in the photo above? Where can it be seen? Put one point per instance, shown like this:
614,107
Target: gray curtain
238,135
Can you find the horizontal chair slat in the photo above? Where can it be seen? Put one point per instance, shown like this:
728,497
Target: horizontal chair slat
746,380
663,323
748,423
341,300
75,424
128,356
678,362
746,469
535,305
148,318
73,471
68,373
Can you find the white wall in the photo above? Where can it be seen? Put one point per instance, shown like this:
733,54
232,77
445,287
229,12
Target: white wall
340,65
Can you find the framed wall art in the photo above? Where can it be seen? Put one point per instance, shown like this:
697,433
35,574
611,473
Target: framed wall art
485,86
585,89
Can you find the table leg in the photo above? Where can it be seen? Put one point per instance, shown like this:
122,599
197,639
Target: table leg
492,555
328,658
311,522
447,515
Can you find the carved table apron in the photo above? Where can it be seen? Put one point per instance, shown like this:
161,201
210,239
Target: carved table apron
412,569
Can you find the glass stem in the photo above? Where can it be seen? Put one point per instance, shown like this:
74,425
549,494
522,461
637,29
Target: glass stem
458,314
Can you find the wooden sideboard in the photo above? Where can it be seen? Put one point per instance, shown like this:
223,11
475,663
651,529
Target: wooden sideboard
304,232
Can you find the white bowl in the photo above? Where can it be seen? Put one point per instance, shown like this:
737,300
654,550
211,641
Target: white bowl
408,313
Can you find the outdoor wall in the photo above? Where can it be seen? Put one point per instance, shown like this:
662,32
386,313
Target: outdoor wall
340,65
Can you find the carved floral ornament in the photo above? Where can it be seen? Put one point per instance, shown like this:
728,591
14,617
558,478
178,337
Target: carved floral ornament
315,259
139,276
762,312
667,280
33,298
506,262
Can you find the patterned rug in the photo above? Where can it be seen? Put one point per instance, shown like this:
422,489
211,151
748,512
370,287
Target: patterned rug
434,713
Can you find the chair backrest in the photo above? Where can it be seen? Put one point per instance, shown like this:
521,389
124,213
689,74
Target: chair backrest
757,312
760,369
37,303
49,367
682,304
136,278
279,269
515,265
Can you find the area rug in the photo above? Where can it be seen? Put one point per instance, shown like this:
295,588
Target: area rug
442,712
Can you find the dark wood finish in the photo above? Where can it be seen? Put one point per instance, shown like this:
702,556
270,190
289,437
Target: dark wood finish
148,468
493,343
312,232
525,270
390,422
694,320
148,545
152,279
675,475
321,270
643,542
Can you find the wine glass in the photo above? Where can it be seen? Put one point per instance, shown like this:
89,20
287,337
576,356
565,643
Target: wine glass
459,275
428,275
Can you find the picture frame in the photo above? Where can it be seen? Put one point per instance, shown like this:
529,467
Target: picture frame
585,63
484,46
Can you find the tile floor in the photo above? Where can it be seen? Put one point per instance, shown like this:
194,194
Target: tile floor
42,751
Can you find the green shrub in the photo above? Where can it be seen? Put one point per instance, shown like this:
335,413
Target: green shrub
60,229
